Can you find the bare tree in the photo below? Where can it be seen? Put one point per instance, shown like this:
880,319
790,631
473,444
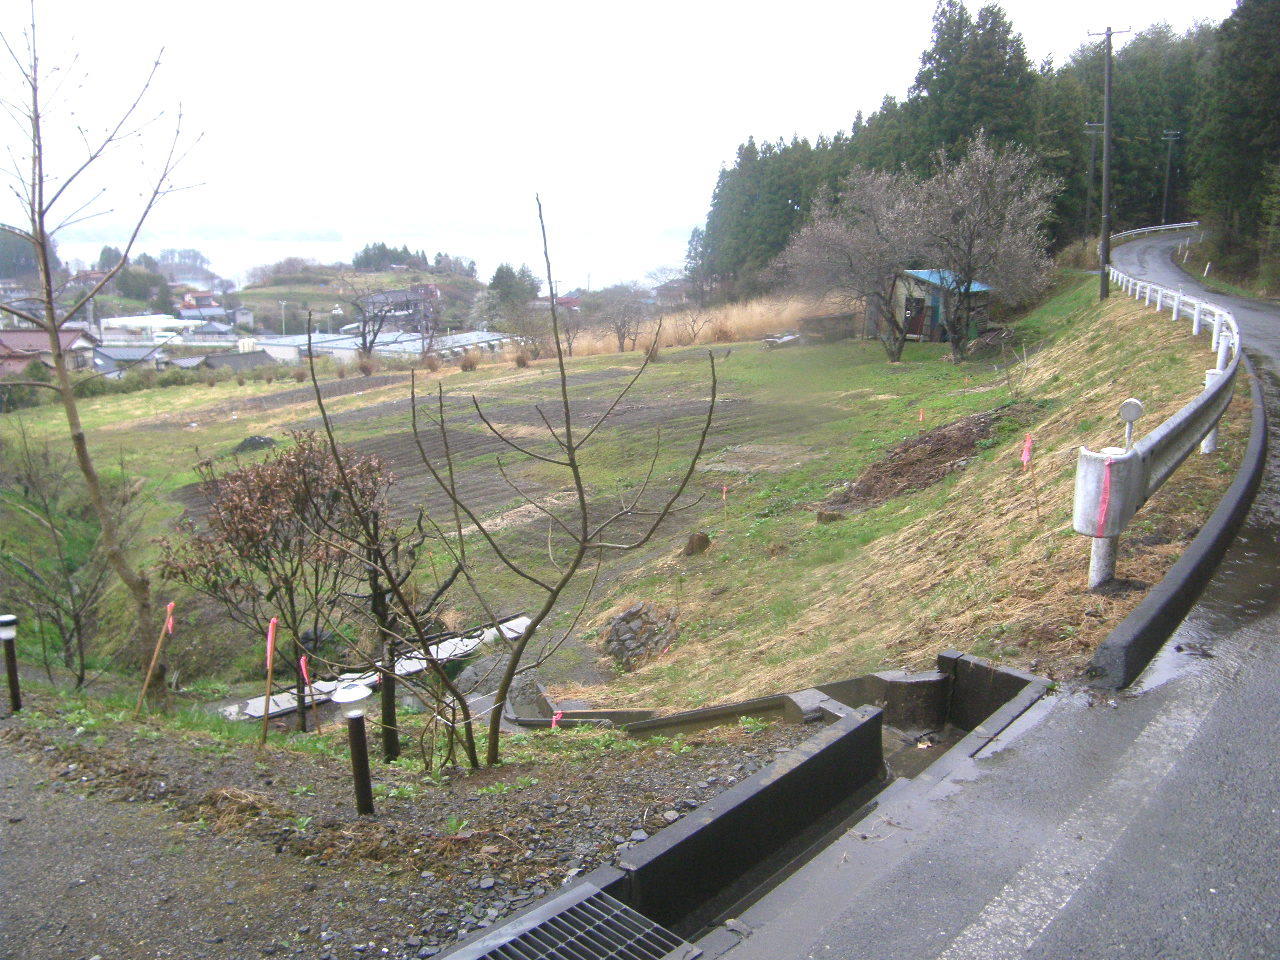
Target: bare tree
373,306
984,216
623,309
54,197
855,247
577,536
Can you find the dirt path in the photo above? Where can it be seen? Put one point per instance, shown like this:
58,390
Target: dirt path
85,878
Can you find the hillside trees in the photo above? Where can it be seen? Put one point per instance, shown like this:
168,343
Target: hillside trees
53,193
975,74
1237,133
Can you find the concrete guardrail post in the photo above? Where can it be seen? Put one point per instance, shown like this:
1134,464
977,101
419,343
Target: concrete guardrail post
1195,319
1210,442
1159,299
1110,486
1217,331
1224,350
1177,304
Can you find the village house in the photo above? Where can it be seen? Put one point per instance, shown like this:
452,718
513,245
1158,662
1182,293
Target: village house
19,347
114,362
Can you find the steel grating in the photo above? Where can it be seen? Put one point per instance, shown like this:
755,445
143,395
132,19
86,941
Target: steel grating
582,924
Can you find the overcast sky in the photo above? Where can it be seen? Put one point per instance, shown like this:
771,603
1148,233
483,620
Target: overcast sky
328,125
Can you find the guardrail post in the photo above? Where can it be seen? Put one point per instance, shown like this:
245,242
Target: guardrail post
1224,349
1195,319
1217,331
1102,561
1210,442
1177,304
1146,301
1159,299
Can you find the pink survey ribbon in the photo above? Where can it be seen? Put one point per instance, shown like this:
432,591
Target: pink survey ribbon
302,666
168,619
271,640
1026,452
556,718
1104,502
922,414
724,492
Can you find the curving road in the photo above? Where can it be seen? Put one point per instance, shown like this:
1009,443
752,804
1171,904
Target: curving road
1145,825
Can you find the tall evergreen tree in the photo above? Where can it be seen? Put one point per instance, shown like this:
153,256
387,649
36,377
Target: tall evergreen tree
1237,132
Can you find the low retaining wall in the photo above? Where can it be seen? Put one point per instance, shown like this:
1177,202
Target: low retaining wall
671,875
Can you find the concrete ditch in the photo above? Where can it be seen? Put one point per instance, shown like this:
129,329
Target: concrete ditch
876,731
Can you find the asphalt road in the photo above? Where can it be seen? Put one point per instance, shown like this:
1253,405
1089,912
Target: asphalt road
1145,824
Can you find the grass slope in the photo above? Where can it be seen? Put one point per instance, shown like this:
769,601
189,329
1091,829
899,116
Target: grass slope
779,601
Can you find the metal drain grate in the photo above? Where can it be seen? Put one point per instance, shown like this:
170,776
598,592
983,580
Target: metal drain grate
582,924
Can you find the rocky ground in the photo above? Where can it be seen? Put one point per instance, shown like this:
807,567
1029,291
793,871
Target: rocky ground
131,841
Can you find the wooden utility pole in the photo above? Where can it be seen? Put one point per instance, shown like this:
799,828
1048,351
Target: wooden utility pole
1104,248
1171,136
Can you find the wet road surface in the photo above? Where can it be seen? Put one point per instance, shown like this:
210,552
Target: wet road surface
1143,824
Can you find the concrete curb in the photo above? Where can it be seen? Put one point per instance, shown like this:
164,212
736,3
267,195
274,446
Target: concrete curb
1130,646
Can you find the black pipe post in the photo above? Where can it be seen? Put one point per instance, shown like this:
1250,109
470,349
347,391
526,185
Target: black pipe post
9,633
359,745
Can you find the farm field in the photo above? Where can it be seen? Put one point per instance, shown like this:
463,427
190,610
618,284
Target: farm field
983,559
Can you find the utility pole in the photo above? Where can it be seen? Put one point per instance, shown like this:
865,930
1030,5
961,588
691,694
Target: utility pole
1104,248
1091,130
1169,135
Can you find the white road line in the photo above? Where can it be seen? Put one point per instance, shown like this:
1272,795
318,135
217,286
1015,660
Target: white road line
1014,919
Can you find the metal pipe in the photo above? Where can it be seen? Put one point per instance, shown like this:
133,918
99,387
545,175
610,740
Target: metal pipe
9,633
358,743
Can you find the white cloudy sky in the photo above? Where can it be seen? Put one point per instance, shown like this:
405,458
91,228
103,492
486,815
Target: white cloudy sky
326,125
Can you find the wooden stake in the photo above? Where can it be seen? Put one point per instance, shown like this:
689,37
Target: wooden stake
165,629
271,668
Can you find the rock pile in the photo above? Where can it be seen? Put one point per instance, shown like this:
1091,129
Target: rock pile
639,632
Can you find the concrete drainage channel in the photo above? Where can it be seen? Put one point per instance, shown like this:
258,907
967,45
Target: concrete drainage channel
672,896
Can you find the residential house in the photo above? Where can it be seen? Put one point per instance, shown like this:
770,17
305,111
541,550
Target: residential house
201,305
23,346
404,308
920,302
114,362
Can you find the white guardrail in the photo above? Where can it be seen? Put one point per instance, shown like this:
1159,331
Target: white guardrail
1114,482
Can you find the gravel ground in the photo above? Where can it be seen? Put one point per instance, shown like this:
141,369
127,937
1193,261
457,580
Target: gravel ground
130,841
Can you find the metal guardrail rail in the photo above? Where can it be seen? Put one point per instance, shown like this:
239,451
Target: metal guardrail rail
1112,484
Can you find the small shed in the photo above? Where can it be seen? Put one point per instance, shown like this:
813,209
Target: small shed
920,302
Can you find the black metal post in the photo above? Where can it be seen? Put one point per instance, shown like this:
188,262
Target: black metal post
9,629
359,745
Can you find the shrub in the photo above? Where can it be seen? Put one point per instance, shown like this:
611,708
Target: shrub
366,366
721,333
522,359
240,379
299,374
431,362
469,362
269,374
340,370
